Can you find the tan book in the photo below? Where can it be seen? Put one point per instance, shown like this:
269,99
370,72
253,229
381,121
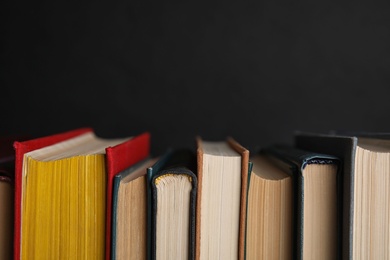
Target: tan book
221,201
172,187
293,205
129,208
365,190
269,215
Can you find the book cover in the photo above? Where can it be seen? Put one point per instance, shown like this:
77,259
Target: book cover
6,216
244,169
296,162
75,151
177,164
20,149
129,212
119,158
343,147
365,159
269,225
7,187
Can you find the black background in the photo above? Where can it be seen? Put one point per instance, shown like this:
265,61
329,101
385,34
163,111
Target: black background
257,71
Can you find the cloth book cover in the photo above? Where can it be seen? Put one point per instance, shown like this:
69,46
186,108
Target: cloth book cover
20,149
174,162
6,216
294,161
7,172
345,146
136,218
120,158
243,194
135,149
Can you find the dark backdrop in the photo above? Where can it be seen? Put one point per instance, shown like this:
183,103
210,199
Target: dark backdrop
257,71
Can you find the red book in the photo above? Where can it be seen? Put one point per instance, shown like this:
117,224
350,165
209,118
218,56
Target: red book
119,158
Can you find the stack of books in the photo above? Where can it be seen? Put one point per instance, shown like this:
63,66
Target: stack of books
76,196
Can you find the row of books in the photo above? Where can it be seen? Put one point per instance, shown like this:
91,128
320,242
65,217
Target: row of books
77,196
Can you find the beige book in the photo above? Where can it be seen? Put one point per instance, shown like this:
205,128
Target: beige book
371,221
269,216
293,195
221,201
129,213
364,189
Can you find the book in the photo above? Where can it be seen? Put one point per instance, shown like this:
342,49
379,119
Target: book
20,150
315,204
129,212
221,202
172,191
365,184
120,158
270,211
6,216
7,169
61,195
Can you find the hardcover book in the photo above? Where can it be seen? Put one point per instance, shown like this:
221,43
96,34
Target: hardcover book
172,191
365,184
120,158
270,222
7,172
315,205
129,212
20,149
61,184
6,216
7,176
221,202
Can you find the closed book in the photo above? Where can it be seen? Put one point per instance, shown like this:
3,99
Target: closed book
20,149
7,172
365,184
315,204
6,216
270,221
129,212
119,158
221,202
62,186
172,191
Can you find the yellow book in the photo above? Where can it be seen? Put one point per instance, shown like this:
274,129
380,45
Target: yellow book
63,199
